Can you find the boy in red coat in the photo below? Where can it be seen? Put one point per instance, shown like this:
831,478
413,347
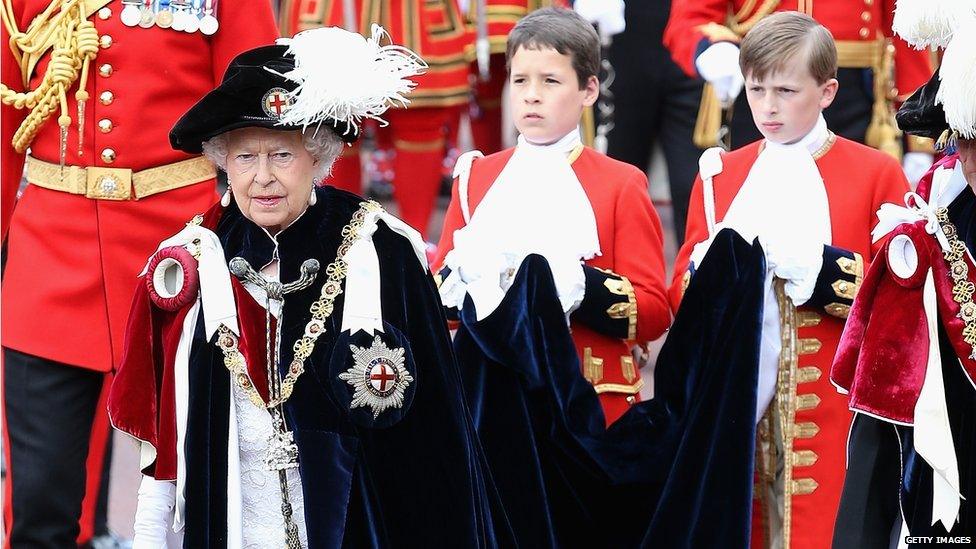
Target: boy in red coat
810,198
588,215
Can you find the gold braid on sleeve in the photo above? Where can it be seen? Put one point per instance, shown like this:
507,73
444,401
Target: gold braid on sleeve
74,44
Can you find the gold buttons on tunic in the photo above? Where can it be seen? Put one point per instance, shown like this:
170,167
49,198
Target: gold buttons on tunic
105,125
104,13
108,156
105,41
864,32
106,97
105,70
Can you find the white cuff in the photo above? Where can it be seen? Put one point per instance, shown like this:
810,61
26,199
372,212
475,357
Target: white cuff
154,513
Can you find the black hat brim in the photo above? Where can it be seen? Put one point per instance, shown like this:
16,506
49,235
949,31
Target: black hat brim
920,115
237,102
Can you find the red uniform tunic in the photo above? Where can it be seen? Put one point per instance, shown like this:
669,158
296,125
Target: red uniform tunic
692,21
822,418
631,243
72,261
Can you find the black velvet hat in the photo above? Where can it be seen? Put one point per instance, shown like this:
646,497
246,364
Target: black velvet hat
920,115
321,77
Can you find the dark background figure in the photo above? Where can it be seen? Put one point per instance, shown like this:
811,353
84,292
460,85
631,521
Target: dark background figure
654,102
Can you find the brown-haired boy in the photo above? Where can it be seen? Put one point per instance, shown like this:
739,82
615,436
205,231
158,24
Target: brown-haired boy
810,197
589,215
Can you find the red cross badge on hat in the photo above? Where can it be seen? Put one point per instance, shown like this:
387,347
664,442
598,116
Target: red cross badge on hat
276,102
378,377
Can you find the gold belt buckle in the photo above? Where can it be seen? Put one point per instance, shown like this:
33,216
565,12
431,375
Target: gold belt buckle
109,183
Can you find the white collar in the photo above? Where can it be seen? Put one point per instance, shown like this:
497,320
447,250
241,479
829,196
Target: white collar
564,145
812,141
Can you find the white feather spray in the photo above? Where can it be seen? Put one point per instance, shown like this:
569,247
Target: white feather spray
344,76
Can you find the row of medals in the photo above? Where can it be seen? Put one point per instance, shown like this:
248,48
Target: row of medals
179,16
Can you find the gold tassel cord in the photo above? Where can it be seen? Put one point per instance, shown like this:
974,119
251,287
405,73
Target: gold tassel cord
74,48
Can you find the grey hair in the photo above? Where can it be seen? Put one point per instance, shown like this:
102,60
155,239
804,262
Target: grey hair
323,144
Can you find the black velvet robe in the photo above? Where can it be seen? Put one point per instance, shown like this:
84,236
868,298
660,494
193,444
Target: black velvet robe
414,476
675,471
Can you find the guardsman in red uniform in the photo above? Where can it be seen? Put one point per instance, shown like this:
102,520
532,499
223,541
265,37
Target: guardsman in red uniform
810,197
436,31
867,53
93,100
492,20
589,215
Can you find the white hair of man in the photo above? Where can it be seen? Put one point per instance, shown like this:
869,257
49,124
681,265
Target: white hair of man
323,144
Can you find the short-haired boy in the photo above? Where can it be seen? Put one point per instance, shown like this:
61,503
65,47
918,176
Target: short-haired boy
810,197
588,215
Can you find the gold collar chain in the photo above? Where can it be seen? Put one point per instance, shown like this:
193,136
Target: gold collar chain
321,310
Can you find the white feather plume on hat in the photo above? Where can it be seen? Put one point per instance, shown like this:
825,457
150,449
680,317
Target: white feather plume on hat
957,75
346,77
930,23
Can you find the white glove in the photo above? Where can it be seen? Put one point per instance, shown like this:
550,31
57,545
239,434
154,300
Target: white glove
608,15
799,266
719,65
154,513
915,165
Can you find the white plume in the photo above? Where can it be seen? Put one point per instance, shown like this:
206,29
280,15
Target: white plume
957,75
928,23
344,76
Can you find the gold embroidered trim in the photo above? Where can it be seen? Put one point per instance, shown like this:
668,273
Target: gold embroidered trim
962,287
807,374
790,348
592,366
685,281
839,310
632,311
808,346
844,289
807,319
831,138
804,458
321,310
804,486
575,153
619,388
627,368
807,402
807,429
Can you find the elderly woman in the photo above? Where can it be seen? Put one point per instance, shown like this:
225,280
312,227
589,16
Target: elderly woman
287,369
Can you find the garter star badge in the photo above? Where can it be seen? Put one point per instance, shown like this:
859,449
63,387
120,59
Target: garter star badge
378,376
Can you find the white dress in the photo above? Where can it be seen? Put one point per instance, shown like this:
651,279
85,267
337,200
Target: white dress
264,525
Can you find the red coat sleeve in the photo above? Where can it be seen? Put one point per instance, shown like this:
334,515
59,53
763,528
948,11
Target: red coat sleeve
696,230
453,220
12,169
241,28
639,256
690,22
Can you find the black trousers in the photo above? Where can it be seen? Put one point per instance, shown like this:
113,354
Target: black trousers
49,410
848,116
654,102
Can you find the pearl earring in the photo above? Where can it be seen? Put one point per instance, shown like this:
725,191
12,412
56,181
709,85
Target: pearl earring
312,198
225,199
